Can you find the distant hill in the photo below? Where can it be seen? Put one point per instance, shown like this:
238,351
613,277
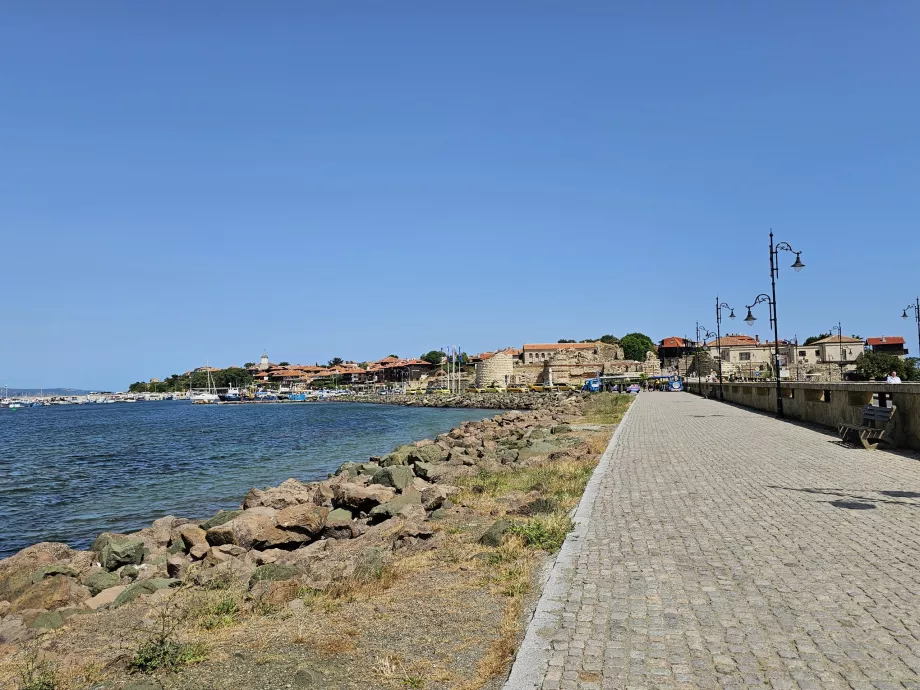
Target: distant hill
31,392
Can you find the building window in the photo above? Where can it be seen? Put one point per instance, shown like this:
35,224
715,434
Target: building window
802,354
744,356
817,353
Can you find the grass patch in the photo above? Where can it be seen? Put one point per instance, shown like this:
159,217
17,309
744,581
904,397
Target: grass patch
160,649
607,408
561,483
544,532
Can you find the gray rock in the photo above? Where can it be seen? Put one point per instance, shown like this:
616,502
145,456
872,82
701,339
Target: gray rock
390,509
400,456
308,678
427,470
560,429
429,453
150,586
349,468
220,518
116,550
49,570
397,476
339,515
493,535
100,580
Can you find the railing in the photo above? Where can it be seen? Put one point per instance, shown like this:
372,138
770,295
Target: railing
829,404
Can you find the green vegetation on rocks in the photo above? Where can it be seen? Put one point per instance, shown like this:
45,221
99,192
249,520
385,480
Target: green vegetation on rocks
273,572
49,570
116,550
99,580
150,586
220,518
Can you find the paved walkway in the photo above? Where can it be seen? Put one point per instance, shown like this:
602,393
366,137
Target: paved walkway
721,548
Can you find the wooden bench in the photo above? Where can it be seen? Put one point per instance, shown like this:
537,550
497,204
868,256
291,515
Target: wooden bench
870,432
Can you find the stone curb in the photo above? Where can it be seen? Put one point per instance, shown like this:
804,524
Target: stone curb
532,660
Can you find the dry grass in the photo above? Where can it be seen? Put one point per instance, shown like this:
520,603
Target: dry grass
606,408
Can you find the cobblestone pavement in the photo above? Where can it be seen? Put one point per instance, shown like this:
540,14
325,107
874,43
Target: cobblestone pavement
722,548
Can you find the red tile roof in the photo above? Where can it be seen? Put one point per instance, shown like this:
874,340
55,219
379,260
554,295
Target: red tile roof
673,341
886,340
560,346
734,340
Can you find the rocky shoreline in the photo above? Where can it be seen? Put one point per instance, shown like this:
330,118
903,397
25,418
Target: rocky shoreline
285,540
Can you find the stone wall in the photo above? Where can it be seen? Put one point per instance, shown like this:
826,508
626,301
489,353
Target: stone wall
497,369
829,404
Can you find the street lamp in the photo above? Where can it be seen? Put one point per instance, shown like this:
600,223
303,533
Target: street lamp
719,307
749,320
916,308
774,274
706,333
839,330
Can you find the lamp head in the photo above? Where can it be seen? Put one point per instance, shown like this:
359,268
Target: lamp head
904,315
732,315
798,265
750,318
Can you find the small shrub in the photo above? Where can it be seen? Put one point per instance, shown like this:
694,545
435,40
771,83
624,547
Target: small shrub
220,613
37,675
163,653
545,533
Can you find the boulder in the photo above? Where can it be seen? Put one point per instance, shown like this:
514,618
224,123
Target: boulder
275,538
368,468
396,476
274,572
241,530
133,591
219,518
560,429
234,570
51,593
339,515
414,512
49,570
361,498
391,508
275,593
194,539
116,550
428,471
222,554
288,493
17,570
307,519
435,495
493,536
162,529
98,580
349,468
177,566
429,453
400,456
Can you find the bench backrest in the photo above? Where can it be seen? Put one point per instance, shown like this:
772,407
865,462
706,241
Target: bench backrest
874,414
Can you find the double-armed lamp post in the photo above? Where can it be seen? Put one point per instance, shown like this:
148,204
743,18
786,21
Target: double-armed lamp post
916,307
719,307
706,334
839,330
750,318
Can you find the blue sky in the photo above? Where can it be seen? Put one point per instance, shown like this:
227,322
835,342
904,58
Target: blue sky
192,181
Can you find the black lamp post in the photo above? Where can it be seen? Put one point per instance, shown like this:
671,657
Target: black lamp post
774,274
706,333
916,308
749,320
839,330
719,308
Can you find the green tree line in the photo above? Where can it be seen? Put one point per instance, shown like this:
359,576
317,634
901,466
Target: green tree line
232,376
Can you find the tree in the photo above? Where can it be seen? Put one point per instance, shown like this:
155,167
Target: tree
393,356
609,339
249,364
636,345
335,361
814,338
873,366
434,357
284,364
563,340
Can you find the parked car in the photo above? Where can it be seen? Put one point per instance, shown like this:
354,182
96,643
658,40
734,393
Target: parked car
634,388
562,387
516,388
494,389
474,389
441,390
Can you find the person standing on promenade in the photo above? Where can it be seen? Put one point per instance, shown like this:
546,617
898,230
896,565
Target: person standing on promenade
894,378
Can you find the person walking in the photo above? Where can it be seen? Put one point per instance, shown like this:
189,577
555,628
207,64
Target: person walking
893,377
